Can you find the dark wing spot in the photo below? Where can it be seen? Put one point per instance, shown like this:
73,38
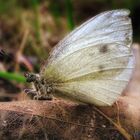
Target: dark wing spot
128,41
127,38
101,68
104,49
126,18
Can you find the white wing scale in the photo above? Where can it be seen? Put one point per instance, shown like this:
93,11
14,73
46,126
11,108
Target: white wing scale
111,26
91,64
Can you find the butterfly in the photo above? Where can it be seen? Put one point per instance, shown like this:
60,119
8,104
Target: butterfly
92,65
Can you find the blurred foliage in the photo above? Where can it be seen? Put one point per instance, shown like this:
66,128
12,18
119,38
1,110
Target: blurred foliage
46,21
12,76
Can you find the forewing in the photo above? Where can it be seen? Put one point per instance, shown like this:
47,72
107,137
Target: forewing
107,27
86,64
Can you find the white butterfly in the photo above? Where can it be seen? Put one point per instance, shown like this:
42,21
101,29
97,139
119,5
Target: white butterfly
92,64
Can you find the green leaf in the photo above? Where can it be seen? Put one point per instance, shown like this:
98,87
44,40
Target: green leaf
69,11
12,76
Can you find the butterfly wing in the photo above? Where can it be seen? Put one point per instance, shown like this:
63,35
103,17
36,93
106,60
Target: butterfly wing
107,27
93,63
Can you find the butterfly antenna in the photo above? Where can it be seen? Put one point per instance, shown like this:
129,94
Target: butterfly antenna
5,56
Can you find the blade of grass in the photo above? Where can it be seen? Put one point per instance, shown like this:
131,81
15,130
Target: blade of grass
12,76
55,10
7,7
35,6
126,135
69,12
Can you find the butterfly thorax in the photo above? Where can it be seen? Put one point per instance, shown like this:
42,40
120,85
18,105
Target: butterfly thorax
42,89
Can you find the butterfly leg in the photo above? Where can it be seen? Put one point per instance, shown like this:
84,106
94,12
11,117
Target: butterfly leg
45,93
49,97
30,91
33,93
48,93
44,90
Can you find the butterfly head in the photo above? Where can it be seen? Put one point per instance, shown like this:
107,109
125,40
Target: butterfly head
31,77
42,91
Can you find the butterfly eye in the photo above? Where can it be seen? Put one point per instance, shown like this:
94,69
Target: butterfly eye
29,77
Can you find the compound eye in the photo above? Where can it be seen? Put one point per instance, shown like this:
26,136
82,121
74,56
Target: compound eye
29,77
26,75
